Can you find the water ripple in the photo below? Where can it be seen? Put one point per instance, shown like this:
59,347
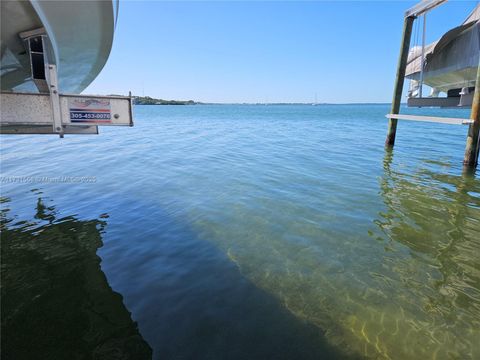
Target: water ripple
377,251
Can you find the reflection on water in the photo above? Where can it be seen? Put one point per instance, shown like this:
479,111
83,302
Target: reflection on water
56,302
407,286
194,303
432,219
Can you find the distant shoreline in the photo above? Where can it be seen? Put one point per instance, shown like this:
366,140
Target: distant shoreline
184,103
147,100
304,104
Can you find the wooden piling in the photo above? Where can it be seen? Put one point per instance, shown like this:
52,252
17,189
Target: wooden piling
470,159
400,79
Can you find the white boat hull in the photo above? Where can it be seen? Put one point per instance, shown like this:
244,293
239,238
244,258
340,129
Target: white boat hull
80,35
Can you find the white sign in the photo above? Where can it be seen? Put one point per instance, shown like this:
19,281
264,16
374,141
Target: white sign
89,110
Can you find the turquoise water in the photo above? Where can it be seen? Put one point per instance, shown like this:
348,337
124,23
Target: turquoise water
213,232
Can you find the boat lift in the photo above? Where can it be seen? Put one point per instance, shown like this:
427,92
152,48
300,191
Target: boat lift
465,99
49,111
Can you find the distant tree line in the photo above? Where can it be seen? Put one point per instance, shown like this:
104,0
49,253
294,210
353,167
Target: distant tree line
147,100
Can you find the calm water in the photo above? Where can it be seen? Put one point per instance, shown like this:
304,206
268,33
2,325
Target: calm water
242,232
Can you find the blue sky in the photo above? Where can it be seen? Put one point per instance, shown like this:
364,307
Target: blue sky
272,51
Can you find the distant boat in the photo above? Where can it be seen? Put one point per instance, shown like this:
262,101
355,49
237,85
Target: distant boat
316,100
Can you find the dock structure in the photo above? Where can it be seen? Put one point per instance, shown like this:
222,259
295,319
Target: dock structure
473,145
400,79
457,98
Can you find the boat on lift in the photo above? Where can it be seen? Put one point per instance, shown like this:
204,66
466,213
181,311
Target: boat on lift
78,34
50,52
448,65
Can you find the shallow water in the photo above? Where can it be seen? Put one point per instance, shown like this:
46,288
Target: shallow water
244,232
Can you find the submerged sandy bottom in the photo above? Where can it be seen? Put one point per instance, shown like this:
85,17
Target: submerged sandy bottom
270,231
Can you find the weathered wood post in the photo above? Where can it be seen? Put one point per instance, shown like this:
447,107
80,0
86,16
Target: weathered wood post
471,150
399,81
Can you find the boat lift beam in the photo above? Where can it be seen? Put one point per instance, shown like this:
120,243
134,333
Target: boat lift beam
436,119
22,113
423,7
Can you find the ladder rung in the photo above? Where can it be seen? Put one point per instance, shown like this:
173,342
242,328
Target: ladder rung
437,119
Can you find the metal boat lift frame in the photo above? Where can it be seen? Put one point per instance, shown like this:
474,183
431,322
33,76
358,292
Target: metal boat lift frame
470,159
49,112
